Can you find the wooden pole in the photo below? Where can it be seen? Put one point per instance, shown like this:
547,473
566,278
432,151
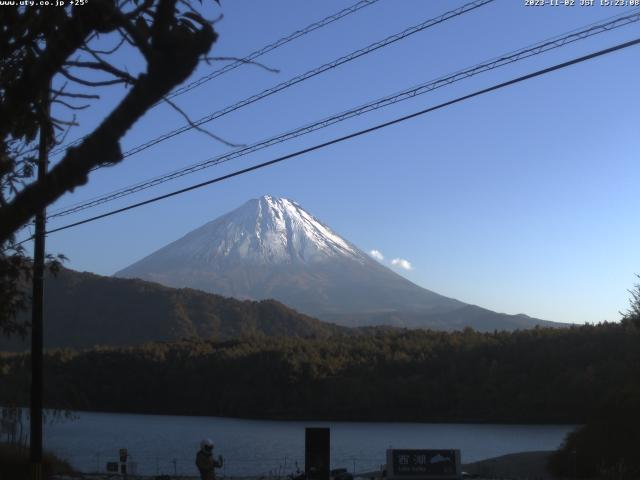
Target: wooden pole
37,305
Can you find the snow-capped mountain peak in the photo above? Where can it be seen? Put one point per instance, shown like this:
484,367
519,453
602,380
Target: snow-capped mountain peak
270,247
266,230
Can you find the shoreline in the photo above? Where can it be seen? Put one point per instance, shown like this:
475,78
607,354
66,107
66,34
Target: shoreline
513,466
320,420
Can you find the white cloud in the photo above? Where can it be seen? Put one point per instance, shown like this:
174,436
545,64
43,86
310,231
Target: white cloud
377,254
402,263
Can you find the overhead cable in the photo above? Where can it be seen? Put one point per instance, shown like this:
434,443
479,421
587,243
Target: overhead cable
248,59
298,153
500,61
272,46
307,75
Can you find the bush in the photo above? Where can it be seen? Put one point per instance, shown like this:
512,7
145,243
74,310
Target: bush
14,463
601,448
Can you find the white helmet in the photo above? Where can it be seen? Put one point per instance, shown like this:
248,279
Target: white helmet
206,445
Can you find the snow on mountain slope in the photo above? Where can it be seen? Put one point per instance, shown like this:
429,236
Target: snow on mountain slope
264,231
272,248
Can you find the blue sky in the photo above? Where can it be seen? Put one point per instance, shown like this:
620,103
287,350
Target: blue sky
522,201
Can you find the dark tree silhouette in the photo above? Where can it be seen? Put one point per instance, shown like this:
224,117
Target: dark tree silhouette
58,52
576,375
632,315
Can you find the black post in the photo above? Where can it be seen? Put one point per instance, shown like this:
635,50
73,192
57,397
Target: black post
317,447
37,305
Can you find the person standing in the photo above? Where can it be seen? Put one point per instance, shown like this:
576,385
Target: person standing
205,462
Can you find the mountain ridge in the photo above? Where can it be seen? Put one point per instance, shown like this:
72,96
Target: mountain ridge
272,248
83,310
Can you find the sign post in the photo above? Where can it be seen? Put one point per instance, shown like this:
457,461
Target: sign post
124,454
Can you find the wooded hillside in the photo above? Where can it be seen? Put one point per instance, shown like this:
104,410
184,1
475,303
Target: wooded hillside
84,309
542,375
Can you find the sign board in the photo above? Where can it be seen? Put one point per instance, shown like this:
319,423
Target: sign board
423,464
123,455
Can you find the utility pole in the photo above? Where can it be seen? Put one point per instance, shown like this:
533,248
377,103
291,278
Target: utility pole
37,303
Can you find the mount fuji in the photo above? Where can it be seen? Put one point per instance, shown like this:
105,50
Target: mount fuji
272,248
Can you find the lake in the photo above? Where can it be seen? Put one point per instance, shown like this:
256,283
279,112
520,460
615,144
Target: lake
166,444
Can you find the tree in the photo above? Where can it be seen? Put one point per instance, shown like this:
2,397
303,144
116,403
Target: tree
58,52
632,315
606,445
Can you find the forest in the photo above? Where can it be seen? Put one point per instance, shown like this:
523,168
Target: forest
586,375
543,375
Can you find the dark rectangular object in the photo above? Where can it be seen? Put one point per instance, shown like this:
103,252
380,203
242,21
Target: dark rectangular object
440,464
112,467
316,453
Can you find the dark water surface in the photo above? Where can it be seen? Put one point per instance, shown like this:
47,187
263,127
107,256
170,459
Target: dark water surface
164,444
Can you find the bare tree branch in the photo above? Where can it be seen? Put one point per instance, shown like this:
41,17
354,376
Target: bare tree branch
90,83
126,37
75,95
106,52
71,107
63,137
57,122
144,7
133,35
60,45
104,66
172,50
198,128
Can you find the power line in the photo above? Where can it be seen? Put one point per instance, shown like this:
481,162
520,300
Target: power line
506,59
307,75
311,73
250,58
554,42
266,49
356,134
